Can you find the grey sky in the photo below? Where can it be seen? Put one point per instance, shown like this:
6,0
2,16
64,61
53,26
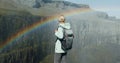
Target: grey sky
112,7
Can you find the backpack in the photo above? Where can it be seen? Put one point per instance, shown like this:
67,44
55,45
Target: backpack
67,40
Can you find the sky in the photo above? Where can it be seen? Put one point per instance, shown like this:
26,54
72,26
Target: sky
111,7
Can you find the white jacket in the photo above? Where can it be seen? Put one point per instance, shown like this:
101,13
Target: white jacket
59,34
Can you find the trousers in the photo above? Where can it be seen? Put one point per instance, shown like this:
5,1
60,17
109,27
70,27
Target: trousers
60,58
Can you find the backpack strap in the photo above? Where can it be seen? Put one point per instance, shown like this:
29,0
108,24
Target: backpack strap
63,31
63,34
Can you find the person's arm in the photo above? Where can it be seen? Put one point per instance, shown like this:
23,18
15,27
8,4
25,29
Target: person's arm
59,33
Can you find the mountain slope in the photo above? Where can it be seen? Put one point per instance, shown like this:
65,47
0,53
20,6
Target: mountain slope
40,7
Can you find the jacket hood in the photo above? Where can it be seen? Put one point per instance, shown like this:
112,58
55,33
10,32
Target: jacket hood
65,25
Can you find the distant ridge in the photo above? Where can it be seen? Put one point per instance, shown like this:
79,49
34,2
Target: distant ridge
40,7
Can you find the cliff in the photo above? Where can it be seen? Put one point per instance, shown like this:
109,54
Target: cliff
97,35
40,7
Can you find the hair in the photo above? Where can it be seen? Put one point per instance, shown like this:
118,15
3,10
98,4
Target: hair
61,17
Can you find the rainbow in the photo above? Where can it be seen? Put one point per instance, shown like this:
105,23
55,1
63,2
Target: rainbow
39,24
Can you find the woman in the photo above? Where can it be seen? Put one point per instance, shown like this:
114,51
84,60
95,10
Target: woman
60,54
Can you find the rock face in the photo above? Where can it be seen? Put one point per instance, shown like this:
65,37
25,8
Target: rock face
17,3
97,35
40,7
40,3
33,3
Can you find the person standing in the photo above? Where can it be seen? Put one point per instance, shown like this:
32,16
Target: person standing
60,54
